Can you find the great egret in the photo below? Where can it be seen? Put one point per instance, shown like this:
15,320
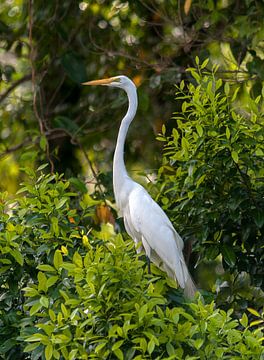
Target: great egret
144,220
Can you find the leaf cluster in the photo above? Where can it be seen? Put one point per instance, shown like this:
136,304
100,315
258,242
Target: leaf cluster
34,224
101,305
212,174
71,293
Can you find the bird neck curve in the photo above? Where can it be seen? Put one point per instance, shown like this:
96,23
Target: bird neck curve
119,168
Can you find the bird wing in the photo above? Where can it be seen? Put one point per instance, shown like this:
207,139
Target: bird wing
145,221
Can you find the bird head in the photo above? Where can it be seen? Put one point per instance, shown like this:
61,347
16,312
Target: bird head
117,81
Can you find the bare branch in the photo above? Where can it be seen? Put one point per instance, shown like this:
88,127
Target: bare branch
34,86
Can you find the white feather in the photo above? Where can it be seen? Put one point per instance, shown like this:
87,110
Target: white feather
145,221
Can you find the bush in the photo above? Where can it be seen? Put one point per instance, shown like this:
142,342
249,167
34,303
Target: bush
71,292
102,305
33,226
212,174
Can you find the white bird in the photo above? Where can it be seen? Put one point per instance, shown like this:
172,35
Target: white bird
144,220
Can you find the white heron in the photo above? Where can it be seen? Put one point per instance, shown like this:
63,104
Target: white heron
144,220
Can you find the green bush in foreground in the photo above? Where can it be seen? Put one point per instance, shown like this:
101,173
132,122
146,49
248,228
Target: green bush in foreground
102,305
71,292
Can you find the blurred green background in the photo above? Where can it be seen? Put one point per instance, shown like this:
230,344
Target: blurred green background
48,48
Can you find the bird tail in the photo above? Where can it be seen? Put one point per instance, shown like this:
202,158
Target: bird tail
190,289
186,282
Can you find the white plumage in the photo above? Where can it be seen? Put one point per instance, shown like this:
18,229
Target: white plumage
144,220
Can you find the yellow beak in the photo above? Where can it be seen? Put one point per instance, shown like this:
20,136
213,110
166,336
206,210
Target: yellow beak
101,82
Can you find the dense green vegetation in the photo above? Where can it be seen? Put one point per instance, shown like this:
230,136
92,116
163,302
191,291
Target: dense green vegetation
69,291
71,283
212,181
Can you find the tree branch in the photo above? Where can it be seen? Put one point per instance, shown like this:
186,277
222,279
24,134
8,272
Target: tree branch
13,86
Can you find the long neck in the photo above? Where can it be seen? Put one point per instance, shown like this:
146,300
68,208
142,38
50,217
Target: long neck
119,169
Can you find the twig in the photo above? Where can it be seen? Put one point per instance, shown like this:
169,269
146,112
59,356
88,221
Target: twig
76,142
50,134
14,85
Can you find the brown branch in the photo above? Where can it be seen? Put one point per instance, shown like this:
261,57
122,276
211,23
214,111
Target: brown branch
51,135
33,71
15,147
14,85
34,87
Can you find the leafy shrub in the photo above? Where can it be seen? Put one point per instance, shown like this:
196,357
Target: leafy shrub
102,305
71,292
212,178
33,225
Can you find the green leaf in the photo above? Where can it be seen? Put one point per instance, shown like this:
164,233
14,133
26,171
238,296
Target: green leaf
259,218
200,180
254,312
64,311
256,322
55,226
196,76
235,94
17,256
170,349
41,167
117,345
100,347
51,281
198,343
72,354
184,143
244,320
227,88
68,266
48,352
79,185
151,346
143,344
182,84
228,255
44,267
60,203
44,301
119,354
204,64
30,291
74,67
234,155
199,130
77,259
42,282
142,311
35,308
31,347
57,260
52,315
227,133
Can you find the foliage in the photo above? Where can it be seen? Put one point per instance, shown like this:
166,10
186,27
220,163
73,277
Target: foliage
33,226
102,305
53,47
213,176
46,51
72,293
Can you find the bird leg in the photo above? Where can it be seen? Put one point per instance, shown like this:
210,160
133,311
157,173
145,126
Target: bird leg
148,262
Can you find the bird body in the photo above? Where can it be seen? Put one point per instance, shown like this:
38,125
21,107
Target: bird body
144,220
